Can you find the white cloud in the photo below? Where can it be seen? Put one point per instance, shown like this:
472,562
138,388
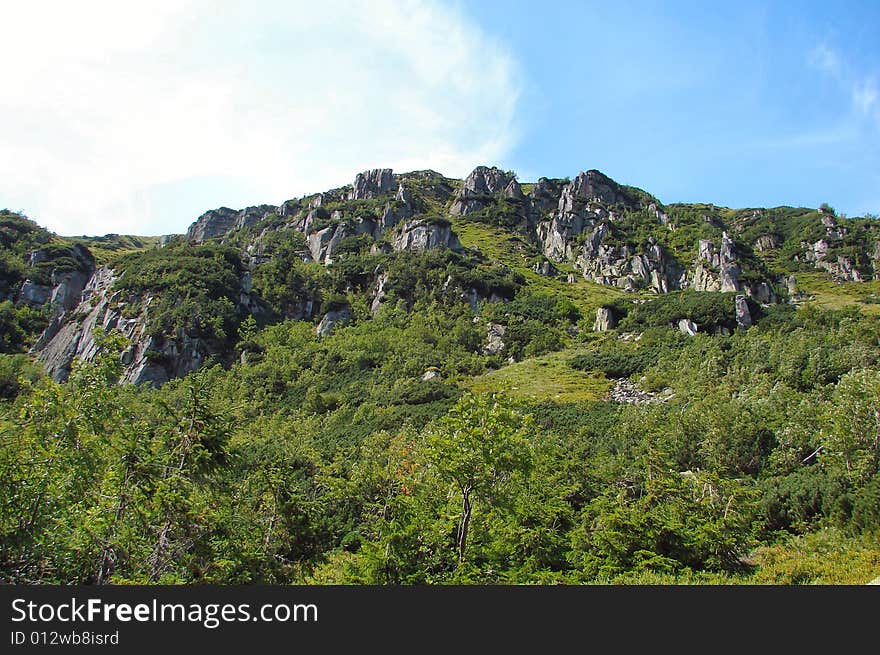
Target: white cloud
859,86
865,96
826,59
115,116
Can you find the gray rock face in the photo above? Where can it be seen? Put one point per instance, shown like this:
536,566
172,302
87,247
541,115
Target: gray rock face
478,187
590,186
543,197
323,243
716,269
687,326
743,316
557,236
379,292
840,268
331,319
251,215
33,294
625,268
484,181
62,340
213,223
513,190
767,242
372,183
605,320
217,222
68,288
494,342
148,359
423,235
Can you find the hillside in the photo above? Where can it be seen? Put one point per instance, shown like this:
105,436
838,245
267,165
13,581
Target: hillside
418,379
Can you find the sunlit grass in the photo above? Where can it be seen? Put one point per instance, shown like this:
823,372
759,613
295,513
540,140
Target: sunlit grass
505,247
829,294
548,377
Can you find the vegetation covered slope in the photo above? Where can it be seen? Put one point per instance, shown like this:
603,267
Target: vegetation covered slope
456,427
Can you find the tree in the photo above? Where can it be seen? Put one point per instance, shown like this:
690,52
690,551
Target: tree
851,439
478,447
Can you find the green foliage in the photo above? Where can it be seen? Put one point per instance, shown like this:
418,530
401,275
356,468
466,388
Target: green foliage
19,326
622,359
193,289
17,373
338,460
709,310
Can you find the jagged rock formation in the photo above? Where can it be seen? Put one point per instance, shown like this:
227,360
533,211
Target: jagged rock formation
370,184
609,233
840,267
743,315
149,359
478,188
716,269
423,235
63,288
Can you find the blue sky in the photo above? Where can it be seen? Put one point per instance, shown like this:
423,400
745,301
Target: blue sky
740,104
137,117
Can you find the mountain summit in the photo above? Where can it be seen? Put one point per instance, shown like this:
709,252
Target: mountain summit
182,303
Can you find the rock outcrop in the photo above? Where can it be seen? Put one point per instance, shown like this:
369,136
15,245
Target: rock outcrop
211,224
688,327
625,391
605,320
372,183
323,243
424,234
331,319
478,188
494,342
148,359
717,269
743,315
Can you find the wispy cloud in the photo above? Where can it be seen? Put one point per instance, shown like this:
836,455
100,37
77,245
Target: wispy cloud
865,96
861,88
113,113
825,59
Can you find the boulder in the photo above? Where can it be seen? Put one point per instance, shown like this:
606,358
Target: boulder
687,326
331,319
605,320
743,316
494,342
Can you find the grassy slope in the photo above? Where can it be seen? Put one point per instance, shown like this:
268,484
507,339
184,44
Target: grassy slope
548,377
828,294
111,246
502,246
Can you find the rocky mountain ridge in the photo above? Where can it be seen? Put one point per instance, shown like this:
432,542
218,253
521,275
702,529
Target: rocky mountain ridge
607,233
